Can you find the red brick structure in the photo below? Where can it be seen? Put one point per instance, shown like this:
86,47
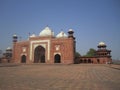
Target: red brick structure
45,48
48,48
102,56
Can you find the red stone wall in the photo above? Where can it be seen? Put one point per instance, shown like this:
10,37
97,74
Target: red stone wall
66,49
17,51
94,60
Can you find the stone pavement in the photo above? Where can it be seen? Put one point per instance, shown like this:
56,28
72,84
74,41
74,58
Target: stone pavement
59,77
114,66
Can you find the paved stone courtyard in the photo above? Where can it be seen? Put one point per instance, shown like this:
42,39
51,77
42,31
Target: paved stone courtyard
59,77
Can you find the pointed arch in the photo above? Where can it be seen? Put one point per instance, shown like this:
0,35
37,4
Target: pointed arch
23,59
39,54
98,61
85,61
57,58
81,61
89,61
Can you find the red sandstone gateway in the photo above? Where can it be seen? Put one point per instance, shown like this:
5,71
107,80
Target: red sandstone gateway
45,48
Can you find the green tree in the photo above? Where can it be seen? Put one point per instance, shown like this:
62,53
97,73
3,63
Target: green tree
91,52
77,54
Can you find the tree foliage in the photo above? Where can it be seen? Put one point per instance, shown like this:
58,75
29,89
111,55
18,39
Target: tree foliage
91,52
77,54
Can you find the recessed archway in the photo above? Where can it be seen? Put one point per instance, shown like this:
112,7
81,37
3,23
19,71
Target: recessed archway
98,61
81,61
89,60
57,58
85,61
23,59
39,54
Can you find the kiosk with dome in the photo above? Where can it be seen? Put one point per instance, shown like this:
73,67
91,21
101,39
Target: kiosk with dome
102,56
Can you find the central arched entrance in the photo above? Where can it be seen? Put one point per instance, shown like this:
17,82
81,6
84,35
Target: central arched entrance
57,58
39,54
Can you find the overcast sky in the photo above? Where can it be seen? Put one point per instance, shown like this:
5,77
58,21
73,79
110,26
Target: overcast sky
93,21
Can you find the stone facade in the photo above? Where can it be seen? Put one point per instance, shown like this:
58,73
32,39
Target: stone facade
45,48
48,48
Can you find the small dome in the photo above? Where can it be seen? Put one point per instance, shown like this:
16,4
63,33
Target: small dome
33,35
14,35
70,30
46,32
8,48
101,44
61,34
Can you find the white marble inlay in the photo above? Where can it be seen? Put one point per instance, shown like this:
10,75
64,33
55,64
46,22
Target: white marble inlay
35,43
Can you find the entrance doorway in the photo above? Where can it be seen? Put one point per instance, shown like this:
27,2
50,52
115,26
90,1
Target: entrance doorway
39,54
23,59
57,58
81,61
98,61
85,61
89,60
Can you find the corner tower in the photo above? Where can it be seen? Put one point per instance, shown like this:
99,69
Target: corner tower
71,35
103,54
15,39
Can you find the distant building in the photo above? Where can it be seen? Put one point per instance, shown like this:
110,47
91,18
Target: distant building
102,56
45,48
7,56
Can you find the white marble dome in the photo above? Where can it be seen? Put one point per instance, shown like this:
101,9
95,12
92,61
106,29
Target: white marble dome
33,35
101,44
61,34
8,48
46,32
70,30
14,35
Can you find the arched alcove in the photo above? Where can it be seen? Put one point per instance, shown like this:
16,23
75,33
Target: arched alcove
39,54
57,58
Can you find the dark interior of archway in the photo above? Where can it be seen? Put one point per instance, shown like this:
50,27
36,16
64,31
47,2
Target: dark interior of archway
39,54
23,59
98,60
89,61
57,58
